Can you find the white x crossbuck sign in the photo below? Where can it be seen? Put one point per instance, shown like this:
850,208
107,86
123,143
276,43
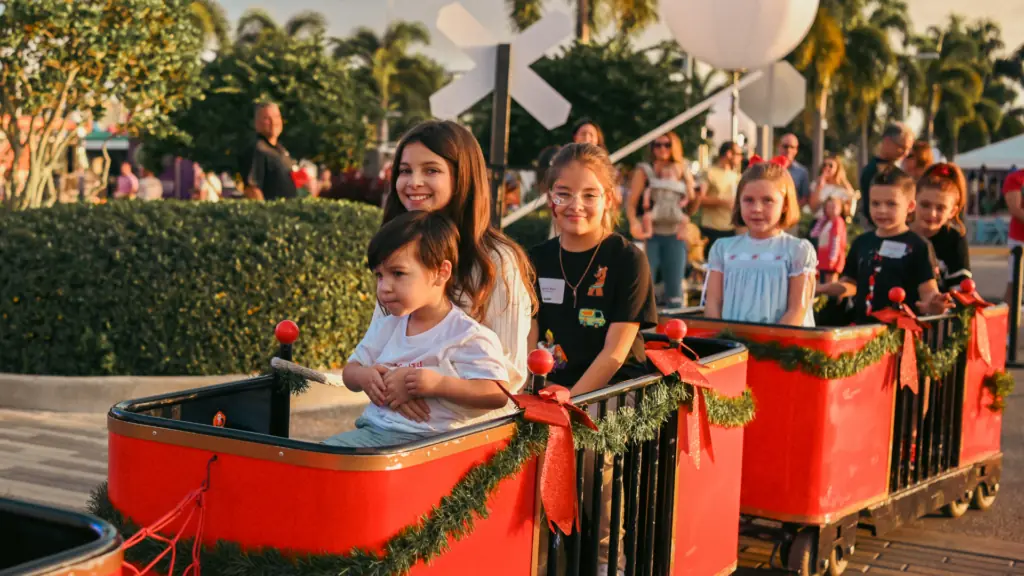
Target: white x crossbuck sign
528,89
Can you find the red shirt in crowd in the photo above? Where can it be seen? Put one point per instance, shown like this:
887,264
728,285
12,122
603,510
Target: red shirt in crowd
1013,183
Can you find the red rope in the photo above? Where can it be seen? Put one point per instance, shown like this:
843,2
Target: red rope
153,530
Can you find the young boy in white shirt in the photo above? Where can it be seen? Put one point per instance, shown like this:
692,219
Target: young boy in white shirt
426,365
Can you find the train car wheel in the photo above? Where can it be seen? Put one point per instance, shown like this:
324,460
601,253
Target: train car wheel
837,562
984,497
958,508
797,555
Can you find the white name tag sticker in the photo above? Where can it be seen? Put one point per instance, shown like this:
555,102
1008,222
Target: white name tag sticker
892,249
552,290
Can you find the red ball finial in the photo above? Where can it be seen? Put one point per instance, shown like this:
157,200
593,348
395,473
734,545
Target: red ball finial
540,362
967,286
897,295
286,332
675,329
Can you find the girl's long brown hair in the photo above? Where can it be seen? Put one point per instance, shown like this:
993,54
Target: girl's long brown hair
469,209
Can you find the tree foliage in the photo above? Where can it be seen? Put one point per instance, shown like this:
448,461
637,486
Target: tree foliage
325,111
402,82
627,92
63,61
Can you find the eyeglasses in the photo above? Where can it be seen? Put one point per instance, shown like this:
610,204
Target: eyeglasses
788,146
657,145
588,199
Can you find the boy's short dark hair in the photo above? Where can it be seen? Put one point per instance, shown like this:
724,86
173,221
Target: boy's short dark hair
436,238
891,175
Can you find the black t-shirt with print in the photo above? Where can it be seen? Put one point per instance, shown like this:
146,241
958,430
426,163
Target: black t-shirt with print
952,256
616,288
880,264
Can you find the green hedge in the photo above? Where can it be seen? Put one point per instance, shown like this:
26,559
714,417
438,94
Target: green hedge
168,288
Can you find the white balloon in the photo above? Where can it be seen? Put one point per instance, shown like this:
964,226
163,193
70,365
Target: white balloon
738,34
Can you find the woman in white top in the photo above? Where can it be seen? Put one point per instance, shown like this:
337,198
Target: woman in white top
832,183
439,166
657,212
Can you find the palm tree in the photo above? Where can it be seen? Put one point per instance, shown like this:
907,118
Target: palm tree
393,70
867,71
951,77
629,16
208,16
256,22
819,57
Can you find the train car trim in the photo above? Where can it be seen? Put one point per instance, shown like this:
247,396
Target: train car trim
100,558
815,520
109,564
810,333
303,456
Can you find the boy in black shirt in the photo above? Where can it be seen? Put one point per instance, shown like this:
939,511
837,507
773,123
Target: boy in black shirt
890,256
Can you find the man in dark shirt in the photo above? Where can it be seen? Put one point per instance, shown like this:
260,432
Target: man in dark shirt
789,145
268,167
897,140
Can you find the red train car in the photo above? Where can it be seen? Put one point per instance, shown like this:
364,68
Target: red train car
826,456
265,490
42,541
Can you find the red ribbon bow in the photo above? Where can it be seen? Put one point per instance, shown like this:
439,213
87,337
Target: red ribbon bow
968,296
553,406
778,161
669,359
905,319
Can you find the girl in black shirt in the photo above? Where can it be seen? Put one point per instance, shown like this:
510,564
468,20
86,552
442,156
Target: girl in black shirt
594,285
941,196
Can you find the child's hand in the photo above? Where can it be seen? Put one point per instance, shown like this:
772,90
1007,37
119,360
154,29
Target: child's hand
937,304
416,410
372,383
423,382
682,228
396,393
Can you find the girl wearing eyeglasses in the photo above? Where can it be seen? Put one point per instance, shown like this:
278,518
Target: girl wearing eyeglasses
657,212
595,290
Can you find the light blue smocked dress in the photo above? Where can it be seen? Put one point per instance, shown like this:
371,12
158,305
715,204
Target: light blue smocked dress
756,275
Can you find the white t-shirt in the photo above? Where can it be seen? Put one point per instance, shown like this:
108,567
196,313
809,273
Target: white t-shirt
458,346
508,314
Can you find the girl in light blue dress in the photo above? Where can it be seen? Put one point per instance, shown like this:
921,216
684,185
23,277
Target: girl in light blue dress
765,276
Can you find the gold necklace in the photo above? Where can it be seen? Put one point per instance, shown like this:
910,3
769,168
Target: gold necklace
585,272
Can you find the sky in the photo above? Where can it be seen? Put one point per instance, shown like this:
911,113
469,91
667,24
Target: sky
346,15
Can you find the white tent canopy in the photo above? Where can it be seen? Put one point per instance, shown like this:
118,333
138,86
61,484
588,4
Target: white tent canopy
999,156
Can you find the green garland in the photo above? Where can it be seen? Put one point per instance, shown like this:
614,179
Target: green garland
454,517
1001,384
820,364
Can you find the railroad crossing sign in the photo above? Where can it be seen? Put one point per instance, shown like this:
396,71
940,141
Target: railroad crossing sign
503,69
777,97
530,90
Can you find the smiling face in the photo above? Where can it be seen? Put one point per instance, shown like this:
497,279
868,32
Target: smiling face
934,209
662,148
889,208
579,200
424,179
405,285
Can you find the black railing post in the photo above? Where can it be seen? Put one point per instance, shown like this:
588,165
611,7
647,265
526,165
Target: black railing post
286,332
1017,257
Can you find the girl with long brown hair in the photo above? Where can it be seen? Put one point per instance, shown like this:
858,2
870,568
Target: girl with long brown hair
941,197
439,166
